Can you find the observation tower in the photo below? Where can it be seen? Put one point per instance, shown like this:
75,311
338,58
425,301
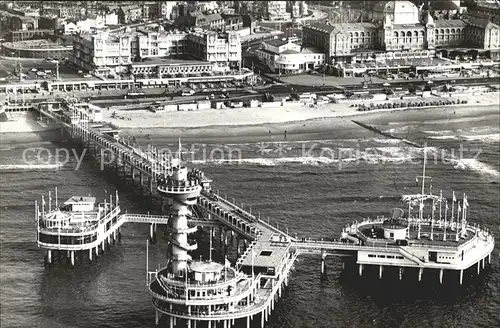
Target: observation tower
183,188
196,293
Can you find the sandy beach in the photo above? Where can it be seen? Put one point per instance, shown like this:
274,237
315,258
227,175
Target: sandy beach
298,120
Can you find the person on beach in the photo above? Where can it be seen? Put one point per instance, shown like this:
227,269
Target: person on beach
285,134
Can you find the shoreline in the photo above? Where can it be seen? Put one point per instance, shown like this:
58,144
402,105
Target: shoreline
303,124
316,127
286,113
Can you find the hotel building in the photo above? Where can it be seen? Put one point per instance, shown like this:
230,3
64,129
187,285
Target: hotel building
115,52
397,31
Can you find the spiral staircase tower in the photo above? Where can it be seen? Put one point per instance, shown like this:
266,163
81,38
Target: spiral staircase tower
183,188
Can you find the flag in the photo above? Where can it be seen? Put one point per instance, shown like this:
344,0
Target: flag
458,207
43,201
466,203
454,198
447,208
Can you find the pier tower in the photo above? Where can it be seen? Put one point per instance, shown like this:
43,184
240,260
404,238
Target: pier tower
198,293
183,188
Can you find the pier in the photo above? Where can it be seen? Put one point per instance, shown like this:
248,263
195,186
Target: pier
189,292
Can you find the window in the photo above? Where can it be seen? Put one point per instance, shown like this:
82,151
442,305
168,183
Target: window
265,253
392,234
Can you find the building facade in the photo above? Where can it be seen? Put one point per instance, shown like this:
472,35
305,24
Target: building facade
286,57
275,10
130,14
485,10
397,31
118,51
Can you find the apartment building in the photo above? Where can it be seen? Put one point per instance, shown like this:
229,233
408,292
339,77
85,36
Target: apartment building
129,14
275,10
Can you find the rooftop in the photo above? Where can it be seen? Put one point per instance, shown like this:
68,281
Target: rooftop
170,61
311,50
36,44
450,23
80,199
277,42
322,27
204,266
267,254
479,22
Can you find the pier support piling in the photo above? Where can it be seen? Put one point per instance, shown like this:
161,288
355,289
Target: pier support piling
380,270
90,255
441,276
323,256
400,273
420,271
360,270
478,268
461,276
49,256
72,258
151,234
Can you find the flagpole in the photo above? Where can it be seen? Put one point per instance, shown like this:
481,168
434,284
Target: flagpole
56,198
50,202
421,210
210,254
458,220
453,208
445,215
464,202
36,220
147,262
43,205
440,207
432,219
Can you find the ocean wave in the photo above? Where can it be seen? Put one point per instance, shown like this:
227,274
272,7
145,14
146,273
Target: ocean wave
444,137
483,138
488,138
439,132
21,167
472,164
387,141
378,155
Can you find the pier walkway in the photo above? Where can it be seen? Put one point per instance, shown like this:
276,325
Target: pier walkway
151,164
97,236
